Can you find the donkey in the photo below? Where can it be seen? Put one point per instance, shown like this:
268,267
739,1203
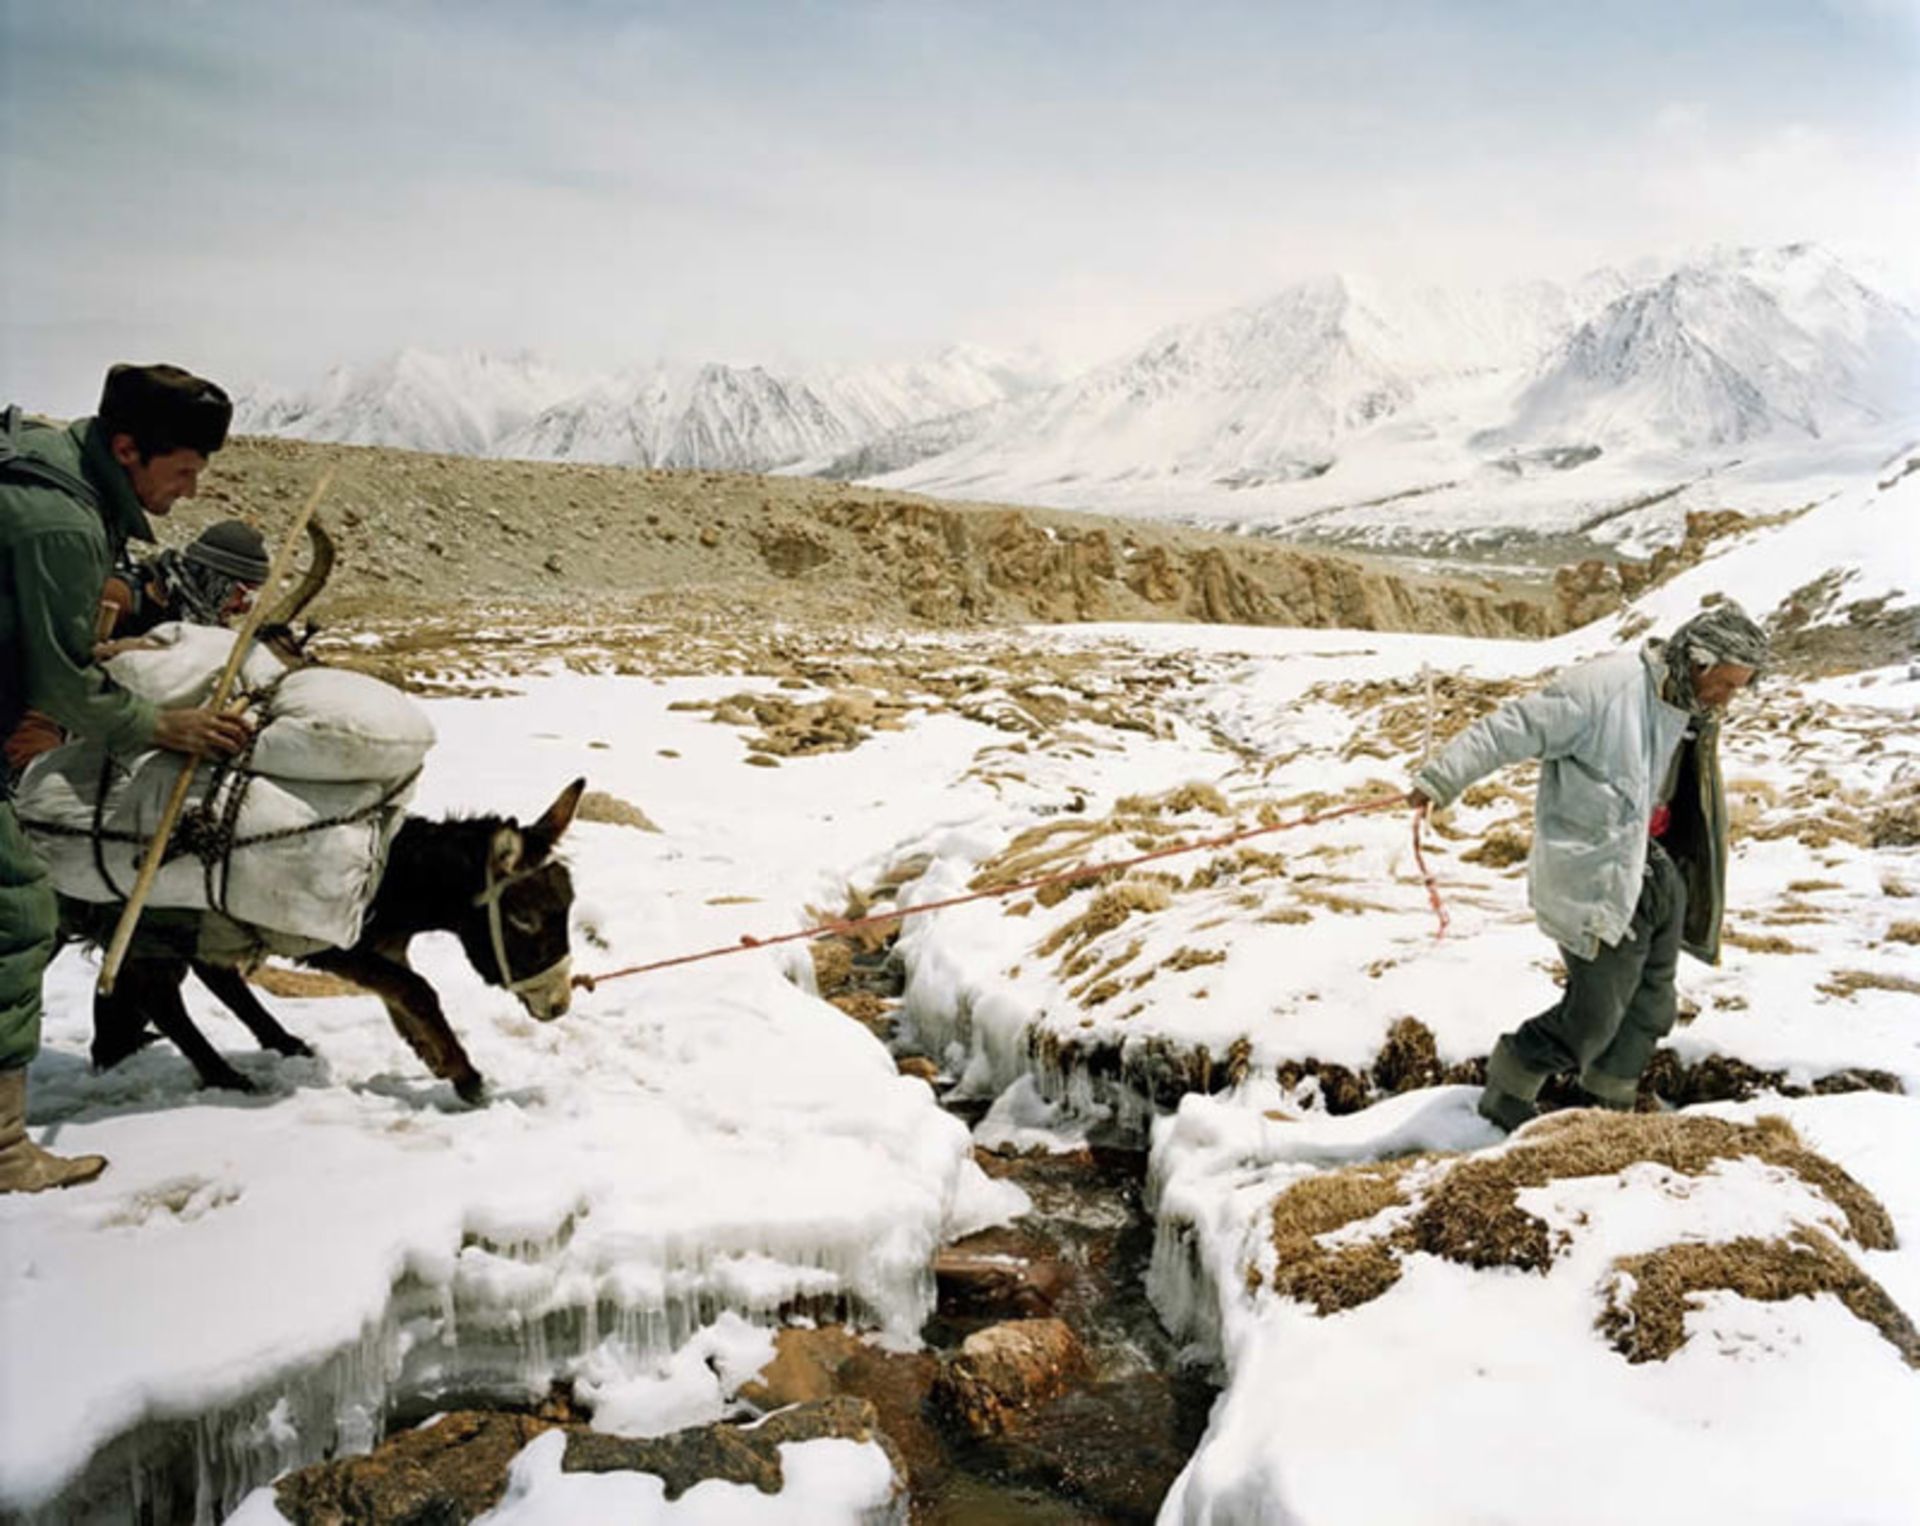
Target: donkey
494,884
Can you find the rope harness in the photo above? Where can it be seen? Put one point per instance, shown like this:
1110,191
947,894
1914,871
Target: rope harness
497,886
842,926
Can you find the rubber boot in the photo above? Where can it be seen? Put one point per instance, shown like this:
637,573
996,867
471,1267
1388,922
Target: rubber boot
1614,1093
24,1166
1508,1100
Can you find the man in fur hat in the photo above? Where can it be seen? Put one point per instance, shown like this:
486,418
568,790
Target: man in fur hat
207,582
1629,860
70,499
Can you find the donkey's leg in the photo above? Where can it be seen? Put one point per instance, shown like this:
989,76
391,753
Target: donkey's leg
120,1020
155,989
414,1007
231,987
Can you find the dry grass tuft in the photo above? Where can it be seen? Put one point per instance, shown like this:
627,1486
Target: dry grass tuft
1762,943
1897,825
1186,797
1648,1301
1903,932
1110,908
1333,900
1472,1216
1846,983
1193,958
1408,1059
1501,846
1337,1277
1469,1212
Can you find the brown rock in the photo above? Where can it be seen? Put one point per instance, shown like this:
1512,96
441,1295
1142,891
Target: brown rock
919,1066
598,805
805,1366
810,1366
986,1281
1004,1371
450,1471
738,1454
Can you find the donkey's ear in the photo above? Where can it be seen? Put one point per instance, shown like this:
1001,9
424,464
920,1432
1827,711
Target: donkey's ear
559,816
503,855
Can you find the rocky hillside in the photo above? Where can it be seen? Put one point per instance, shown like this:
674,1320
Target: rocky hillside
420,532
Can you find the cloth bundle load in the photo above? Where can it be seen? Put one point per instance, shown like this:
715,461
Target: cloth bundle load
291,838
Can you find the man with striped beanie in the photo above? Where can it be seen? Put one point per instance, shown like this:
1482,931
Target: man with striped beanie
1629,861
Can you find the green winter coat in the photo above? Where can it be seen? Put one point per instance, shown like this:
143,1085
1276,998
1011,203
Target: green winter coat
66,510
1604,737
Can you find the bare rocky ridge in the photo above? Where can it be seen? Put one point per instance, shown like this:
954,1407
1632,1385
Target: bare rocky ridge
419,532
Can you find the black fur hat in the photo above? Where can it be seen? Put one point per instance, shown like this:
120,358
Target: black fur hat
165,408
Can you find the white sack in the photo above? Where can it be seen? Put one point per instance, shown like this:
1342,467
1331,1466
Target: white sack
316,885
332,724
181,672
319,723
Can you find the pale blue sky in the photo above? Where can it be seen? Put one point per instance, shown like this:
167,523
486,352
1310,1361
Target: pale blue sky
259,188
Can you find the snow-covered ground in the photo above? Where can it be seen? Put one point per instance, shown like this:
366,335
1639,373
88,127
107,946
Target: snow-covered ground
686,1154
678,1146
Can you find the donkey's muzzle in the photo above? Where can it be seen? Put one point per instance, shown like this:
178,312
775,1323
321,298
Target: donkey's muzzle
548,994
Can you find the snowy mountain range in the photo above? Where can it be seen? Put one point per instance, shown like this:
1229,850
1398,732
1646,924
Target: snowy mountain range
1364,390
722,417
1331,394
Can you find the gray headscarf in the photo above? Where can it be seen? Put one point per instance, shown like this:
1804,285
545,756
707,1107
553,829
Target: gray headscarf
1723,633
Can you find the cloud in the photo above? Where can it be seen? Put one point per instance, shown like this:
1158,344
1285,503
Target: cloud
274,187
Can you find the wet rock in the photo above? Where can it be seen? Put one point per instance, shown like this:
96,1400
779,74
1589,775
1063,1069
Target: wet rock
734,1453
996,1274
1002,1373
1116,1447
810,1366
439,1475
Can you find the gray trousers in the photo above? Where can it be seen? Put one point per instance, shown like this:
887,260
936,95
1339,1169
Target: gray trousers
1617,1005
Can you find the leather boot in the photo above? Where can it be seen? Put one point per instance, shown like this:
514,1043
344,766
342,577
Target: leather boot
24,1166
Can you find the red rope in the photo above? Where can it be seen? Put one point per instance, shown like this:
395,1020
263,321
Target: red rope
1067,876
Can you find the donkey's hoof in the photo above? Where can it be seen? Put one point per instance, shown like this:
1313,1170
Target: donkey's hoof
471,1089
293,1048
227,1079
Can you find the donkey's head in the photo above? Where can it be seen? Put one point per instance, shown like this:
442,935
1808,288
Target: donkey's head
515,931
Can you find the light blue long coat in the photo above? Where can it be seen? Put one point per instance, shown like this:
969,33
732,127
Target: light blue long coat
1604,738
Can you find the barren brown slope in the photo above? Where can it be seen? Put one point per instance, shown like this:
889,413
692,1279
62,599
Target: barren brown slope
421,532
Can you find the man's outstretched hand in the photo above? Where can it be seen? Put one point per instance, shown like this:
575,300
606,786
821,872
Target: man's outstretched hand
201,731
1417,798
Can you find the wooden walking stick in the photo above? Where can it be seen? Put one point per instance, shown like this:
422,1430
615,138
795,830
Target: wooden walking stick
157,845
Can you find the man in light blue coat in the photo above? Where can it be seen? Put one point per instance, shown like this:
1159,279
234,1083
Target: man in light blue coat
1629,859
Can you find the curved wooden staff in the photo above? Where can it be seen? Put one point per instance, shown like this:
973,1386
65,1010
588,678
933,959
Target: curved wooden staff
157,846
